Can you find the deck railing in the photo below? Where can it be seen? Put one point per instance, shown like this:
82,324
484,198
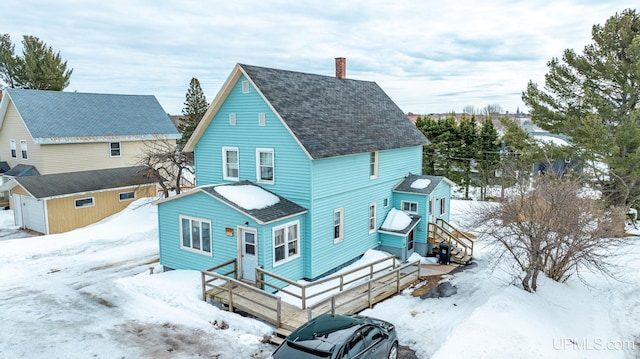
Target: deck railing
336,283
443,231
222,285
367,294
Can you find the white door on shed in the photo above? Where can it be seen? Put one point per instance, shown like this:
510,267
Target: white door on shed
17,210
33,214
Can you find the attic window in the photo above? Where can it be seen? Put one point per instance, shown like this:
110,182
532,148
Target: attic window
23,149
232,119
262,119
245,86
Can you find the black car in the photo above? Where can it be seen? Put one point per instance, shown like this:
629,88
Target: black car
340,337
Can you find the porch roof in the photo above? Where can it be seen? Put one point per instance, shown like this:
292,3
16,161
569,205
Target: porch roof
420,184
415,219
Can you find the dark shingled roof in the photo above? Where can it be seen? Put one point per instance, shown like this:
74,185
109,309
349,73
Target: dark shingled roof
4,166
405,185
334,117
56,116
284,208
22,171
85,181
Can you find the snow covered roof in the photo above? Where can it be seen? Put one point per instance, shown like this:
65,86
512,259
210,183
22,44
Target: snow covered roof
420,184
398,222
250,199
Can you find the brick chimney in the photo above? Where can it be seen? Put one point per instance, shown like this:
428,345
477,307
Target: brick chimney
341,67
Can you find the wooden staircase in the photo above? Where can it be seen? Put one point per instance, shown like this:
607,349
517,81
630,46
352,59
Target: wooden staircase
461,243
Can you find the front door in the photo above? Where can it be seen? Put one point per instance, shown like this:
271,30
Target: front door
432,209
249,254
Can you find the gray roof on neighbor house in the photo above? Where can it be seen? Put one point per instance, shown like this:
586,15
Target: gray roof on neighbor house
405,184
4,166
284,208
22,170
332,116
60,117
61,184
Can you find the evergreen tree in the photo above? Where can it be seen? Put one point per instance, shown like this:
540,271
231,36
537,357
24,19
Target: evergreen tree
39,67
488,146
466,152
195,106
594,98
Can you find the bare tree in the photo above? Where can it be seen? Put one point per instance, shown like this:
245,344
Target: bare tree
556,227
167,163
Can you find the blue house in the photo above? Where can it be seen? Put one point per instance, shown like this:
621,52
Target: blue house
300,174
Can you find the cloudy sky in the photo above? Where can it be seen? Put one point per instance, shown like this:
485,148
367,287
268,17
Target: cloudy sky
429,56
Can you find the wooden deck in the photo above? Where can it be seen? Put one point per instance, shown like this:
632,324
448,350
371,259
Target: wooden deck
237,295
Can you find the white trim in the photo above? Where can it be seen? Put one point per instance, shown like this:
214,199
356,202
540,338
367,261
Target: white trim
262,119
442,202
245,86
232,119
93,202
385,202
340,237
191,249
273,165
375,217
225,173
375,164
285,227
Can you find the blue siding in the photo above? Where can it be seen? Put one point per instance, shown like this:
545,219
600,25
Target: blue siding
343,182
321,186
292,165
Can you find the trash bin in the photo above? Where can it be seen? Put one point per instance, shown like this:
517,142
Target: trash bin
445,253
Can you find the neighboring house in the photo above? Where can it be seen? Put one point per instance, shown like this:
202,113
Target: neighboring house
53,132
61,202
300,174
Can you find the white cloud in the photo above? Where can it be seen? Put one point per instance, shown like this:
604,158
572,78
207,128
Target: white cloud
428,56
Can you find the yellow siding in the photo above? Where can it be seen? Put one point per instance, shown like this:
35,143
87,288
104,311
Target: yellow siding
64,216
19,190
14,128
60,158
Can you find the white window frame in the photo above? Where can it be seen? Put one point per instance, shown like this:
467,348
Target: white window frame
262,119
339,223
373,217
128,198
373,165
93,202
259,166
225,164
245,86
13,149
288,240
190,248
443,205
23,150
111,149
385,202
232,119
410,204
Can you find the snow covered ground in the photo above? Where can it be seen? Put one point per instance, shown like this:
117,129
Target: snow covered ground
90,293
